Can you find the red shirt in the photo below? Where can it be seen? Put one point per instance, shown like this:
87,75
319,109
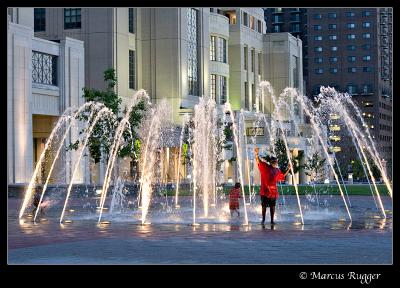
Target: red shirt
269,177
234,196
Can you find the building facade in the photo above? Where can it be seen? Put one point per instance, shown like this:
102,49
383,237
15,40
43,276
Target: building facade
179,54
44,78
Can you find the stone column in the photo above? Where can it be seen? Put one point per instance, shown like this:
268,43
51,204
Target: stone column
19,103
71,84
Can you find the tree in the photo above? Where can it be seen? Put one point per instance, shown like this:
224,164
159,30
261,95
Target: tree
102,136
358,171
314,166
281,155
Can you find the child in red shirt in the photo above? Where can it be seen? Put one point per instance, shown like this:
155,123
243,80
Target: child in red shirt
234,196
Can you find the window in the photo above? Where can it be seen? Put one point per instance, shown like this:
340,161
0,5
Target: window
72,18
367,58
316,89
352,89
366,13
192,49
44,68
351,58
319,71
333,70
222,89
221,56
252,22
277,18
213,43
253,97
213,87
366,35
295,27
366,46
318,38
259,26
317,16
367,69
245,52
318,60
352,70
317,27
131,24
245,19
132,69
367,88
333,59
351,25
253,60
232,17
334,48
246,95
332,15
318,49
351,47
351,36
259,63
295,71
277,28
350,14
39,19
366,24
332,26
295,17
332,37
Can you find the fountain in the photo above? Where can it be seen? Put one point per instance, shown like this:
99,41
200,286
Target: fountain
203,136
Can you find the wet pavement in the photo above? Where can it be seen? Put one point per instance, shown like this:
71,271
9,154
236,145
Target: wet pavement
327,237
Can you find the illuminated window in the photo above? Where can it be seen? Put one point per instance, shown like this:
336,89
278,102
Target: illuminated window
213,41
351,58
213,87
332,15
366,24
221,50
332,26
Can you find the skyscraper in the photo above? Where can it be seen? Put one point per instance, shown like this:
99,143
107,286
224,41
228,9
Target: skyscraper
350,49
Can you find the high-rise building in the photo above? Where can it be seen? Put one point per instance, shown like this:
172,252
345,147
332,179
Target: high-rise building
350,49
